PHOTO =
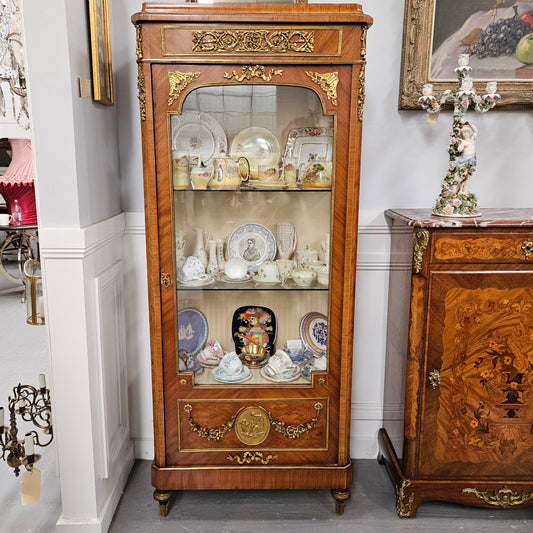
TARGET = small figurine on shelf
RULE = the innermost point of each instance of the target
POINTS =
(455, 200)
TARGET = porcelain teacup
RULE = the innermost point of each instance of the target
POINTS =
(5, 219)
(285, 267)
(303, 277)
(230, 364)
(192, 269)
(213, 351)
(295, 349)
(279, 364)
(268, 272)
(236, 268)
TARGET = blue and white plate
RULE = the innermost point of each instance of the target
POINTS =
(192, 330)
(252, 242)
(314, 332)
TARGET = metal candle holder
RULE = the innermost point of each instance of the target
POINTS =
(32, 405)
(455, 200)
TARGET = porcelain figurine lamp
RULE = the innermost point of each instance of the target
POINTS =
(455, 200)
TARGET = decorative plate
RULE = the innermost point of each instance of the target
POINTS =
(267, 185)
(252, 242)
(292, 374)
(198, 133)
(258, 145)
(221, 276)
(314, 332)
(253, 323)
(192, 330)
(308, 144)
(221, 376)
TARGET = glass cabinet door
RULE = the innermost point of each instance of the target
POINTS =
(252, 170)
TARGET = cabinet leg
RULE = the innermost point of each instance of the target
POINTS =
(341, 496)
(163, 498)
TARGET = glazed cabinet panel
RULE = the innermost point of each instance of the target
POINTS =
(467, 363)
(251, 119)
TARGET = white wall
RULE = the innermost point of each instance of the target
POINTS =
(81, 228)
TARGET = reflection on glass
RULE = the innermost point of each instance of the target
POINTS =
(252, 251)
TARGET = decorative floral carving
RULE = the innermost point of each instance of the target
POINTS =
(327, 82)
(280, 41)
(249, 457)
(178, 81)
(249, 72)
(504, 497)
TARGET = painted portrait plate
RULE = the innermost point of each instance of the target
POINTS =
(252, 242)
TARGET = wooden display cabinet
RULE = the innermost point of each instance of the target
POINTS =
(467, 361)
(268, 82)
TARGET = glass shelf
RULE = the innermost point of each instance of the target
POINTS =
(252, 189)
(251, 286)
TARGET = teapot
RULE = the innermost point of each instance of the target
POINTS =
(225, 173)
(317, 174)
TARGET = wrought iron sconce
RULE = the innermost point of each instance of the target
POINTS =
(32, 405)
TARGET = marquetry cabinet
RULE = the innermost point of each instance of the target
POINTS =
(460, 340)
(251, 118)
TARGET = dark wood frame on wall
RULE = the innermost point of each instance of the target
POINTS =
(419, 19)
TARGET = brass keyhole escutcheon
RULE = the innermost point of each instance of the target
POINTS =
(434, 378)
(527, 248)
(165, 280)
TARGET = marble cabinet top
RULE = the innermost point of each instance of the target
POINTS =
(493, 218)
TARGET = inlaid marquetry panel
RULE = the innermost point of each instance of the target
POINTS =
(492, 249)
(480, 413)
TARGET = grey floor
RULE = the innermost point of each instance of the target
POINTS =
(371, 509)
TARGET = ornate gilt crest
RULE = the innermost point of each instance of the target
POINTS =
(178, 81)
(327, 82)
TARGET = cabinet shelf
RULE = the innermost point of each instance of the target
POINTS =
(252, 189)
(251, 286)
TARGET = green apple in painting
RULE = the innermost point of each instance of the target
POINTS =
(524, 49)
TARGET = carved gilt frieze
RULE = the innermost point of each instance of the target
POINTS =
(278, 41)
(249, 72)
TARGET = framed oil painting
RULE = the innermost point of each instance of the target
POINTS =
(101, 51)
(497, 34)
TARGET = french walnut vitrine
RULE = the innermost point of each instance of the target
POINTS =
(252, 85)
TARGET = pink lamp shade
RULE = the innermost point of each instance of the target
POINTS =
(17, 182)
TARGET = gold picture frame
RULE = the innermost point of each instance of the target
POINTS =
(419, 51)
(101, 51)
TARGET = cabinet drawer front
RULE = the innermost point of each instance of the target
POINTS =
(488, 248)
(252, 431)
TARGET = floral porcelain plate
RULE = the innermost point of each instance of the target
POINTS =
(198, 133)
(253, 324)
(314, 332)
(244, 374)
(309, 144)
(258, 145)
(192, 330)
(290, 374)
(252, 242)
